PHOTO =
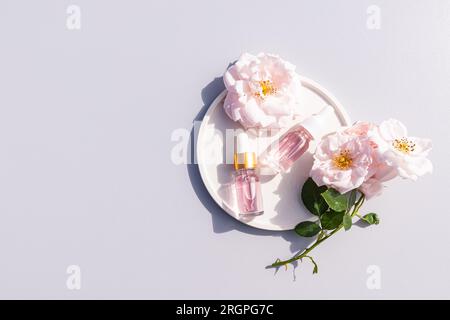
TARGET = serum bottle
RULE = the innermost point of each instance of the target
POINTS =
(282, 154)
(246, 178)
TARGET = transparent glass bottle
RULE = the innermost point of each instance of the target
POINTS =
(246, 179)
(248, 191)
(282, 154)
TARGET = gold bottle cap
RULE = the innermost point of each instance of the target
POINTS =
(244, 156)
(245, 160)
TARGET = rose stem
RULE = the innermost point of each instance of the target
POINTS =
(304, 253)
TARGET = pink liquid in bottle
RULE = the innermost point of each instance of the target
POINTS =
(246, 179)
(282, 154)
(248, 192)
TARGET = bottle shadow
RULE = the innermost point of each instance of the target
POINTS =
(221, 221)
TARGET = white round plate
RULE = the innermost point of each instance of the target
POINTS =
(282, 208)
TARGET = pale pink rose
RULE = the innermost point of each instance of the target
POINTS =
(264, 91)
(360, 128)
(342, 161)
(408, 155)
(371, 188)
(384, 152)
(379, 170)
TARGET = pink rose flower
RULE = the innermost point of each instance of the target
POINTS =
(379, 171)
(342, 161)
(372, 187)
(360, 128)
(366, 155)
(264, 91)
(408, 155)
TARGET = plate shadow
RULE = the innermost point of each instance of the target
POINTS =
(221, 221)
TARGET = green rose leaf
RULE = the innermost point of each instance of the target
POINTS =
(336, 201)
(312, 198)
(307, 229)
(371, 218)
(331, 220)
(347, 222)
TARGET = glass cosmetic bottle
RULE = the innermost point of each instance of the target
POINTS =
(282, 154)
(246, 179)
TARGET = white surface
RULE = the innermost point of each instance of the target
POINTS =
(89, 121)
(282, 209)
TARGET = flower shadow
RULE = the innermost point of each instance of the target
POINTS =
(288, 191)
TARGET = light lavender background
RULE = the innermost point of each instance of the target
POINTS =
(86, 119)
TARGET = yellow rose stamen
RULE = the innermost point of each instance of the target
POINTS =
(404, 145)
(267, 88)
(343, 160)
